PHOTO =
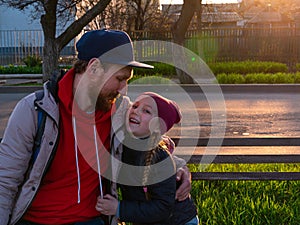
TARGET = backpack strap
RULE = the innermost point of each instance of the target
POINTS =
(42, 115)
(40, 127)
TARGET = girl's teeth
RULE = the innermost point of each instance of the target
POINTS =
(133, 120)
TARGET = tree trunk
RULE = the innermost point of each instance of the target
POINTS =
(199, 16)
(51, 54)
(178, 30)
(53, 45)
(50, 50)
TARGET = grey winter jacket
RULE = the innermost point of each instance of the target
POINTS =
(16, 193)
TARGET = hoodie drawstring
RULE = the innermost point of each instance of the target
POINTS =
(77, 164)
(76, 155)
(98, 162)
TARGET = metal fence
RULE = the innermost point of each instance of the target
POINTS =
(16, 45)
(237, 44)
(215, 44)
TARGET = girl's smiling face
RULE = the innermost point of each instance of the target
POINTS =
(139, 117)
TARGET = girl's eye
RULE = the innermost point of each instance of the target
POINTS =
(147, 111)
(134, 106)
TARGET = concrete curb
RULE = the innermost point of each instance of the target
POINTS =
(21, 76)
(238, 141)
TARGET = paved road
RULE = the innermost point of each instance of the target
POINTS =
(7, 103)
(230, 114)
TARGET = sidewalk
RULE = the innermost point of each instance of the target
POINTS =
(13, 79)
(21, 76)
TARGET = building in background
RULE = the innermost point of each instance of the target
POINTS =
(212, 16)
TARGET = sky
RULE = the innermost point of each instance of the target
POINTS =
(203, 1)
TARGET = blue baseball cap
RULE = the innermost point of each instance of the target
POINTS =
(110, 46)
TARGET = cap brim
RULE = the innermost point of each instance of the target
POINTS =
(127, 63)
(139, 65)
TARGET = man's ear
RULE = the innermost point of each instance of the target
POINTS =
(95, 67)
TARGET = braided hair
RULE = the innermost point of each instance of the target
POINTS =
(155, 144)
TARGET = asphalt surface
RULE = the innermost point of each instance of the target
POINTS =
(250, 121)
(217, 114)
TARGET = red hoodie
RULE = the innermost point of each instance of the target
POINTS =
(69, 190)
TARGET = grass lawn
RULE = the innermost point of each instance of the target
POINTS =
(248, 202)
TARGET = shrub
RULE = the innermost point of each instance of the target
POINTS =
(237, 67)
(33, 61)
(283, 78)
(297, 77)
(230, 79)
(11, 69)
(259, 78)
(246, 67)
(268, 78)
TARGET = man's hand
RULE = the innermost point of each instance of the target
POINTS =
(184, 176)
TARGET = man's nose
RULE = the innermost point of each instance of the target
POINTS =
(123, 88)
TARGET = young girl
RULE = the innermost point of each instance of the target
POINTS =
(147, 175)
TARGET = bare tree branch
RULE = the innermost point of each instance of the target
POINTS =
(50, 13)
(79, 24)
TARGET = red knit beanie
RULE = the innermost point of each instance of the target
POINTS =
(168, 111)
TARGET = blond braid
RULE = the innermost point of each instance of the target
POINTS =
(148, 160)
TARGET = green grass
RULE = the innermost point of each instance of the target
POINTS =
(248, 202)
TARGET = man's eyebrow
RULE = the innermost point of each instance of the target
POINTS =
(123, 77)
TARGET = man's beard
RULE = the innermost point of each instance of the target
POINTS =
(104, 103)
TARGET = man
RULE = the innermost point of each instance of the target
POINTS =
(63, 184)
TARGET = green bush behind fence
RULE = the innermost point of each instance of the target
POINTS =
(243, 72)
